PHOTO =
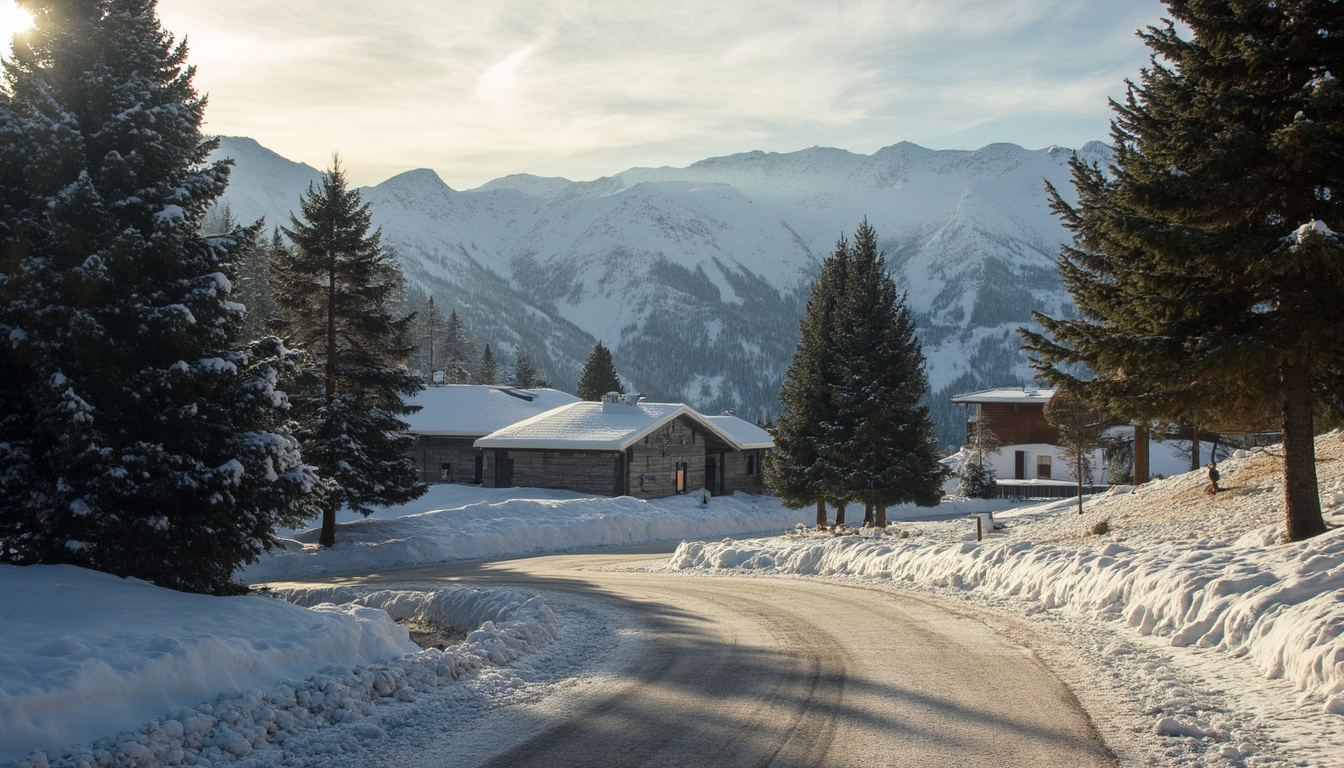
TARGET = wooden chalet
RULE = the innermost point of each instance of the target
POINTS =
(623, 447)
(1017, 419)
(452, 417)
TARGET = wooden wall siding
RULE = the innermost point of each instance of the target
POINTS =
(1018, 423)
(734, 471)
(590, 472)
(430, 453)
(653, 460)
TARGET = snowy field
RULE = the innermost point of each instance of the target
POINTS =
(1229, 645)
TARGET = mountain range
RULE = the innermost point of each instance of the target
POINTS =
(696, 277)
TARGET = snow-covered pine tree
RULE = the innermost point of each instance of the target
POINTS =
(334, 289)
(885, 437)
(526, 374)
(488, 372)
(1204, 261)
(461, 358)
(136, 441)
(599, 374)
(429, 333)
(800, 471)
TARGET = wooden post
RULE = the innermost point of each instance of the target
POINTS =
(979, 528)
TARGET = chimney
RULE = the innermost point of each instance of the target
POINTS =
(611, 401)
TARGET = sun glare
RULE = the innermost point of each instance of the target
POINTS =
(13, 20)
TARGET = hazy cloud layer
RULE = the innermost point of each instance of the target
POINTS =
(582, 88)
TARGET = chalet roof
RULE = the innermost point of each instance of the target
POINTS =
(1007, 395)
(469, 410)
(588, 426)
(747, 436)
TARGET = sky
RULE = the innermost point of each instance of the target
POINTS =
(588, 88)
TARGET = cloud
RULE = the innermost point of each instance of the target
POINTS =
(581, 87)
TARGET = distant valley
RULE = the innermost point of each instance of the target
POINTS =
(696, 277)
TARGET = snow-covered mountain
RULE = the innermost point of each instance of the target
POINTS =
(696, 277)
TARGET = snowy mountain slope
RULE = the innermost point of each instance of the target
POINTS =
(696, 277)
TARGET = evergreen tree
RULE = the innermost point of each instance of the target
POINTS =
(885, 437)
(1202, 263)
(461, 356)
(431, 331)
(599, 375)
(253, 289)
(801, 471)
(136, 441)
(978, 481)
(488, 373)
(526, 374)
(334, 289)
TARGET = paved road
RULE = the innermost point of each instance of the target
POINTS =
(789, 673)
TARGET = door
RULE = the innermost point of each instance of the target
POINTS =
(503, 469)
(711, 475)
(480, 468)
(1019, 465)
(681, 477)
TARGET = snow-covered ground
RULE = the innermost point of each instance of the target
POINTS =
(1228, 645)
(1204, 578)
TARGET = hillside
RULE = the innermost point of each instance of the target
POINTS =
(696, 277)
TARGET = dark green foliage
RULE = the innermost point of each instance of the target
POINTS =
(978, 481)
(886, 443)
(1208, 287)
(526, 375)
(488, 372)
(799, 472)
(136, 439)
(853, 429)
(461, 358)
(599, 375)
(334, 289)
(428, 334)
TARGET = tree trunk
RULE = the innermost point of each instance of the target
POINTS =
(1301, 496)
(840, 513)
(328, 536)
(821, 515)
(881, 516)
(1079, 472)
(1140, 453)
(867, 514)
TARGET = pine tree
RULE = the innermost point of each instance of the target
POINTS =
(885, 441)
(526, 374)
(800, 471)
(430, 333)
(599, 375)
(1202, 263)
(488, 373)
(335, 289)
(461, 357)
(136, 440)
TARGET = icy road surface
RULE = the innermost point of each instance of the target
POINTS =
(753, 671)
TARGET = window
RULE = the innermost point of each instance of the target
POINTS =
(1043, 467)
(681, 477)
(446, 472)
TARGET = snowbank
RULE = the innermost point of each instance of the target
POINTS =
(84, 655)
(1198, 570)
(518, 521)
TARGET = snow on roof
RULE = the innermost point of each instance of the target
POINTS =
(746, 436)
(1007, 395)
(469, 410)
(588, 426)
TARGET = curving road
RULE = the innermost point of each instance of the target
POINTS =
(782, 672)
